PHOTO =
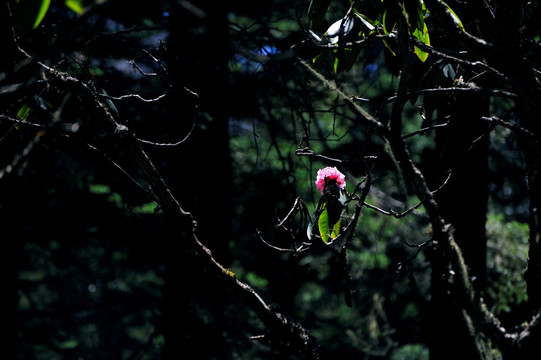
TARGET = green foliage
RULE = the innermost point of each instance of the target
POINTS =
(355, 27)
(506, 262)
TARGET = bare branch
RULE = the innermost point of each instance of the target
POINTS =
(137, 68)
(441, 53)
(283, 332)
(393, 213)
(461, 89)
(17, 122)
(129, 96)
(294, 250)
(425, 129)
(312, 154)
(124, 172)
(508, 125)
(445, 18)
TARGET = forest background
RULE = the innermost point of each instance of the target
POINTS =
(157, 179)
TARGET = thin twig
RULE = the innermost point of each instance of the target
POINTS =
(169, 144)
(124, 172)
(425, 129)
(258, 233)
(393, 213)
(129, 96)
(508, 125)
(460, 89)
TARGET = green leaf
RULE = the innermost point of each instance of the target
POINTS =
(41, 13)
(415, 12)
(23, 112)
(386, 31)
(367, 22)
(388, 47)
(30, 13)
(336, 229)
(454, 16)
(323, 225)
(449, 72)
(316, 58)
(109, 102)
(76, 6)
(384, 23)
(328, 232)
(422, 36)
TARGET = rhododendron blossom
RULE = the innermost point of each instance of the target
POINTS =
(328, 175)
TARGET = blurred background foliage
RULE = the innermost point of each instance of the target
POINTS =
(91, 272)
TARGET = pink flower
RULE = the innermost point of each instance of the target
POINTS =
(328, 175)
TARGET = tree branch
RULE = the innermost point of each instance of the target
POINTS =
(442, 14)
(282, 332)
(442, 232)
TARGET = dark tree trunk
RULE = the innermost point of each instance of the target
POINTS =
(463, 202)
(198, 173)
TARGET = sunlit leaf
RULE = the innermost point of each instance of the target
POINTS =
(336, 229)
(76, 6)
(340, 28)
(316, 58)
(366, 21)
(327, 231)
(30, 13)
(23, 112)
(454, 16)
(422, 36)
(384, 23)
(387, 31)
(422, 55)
(388, 47)
(323, 225)
(41, 12)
